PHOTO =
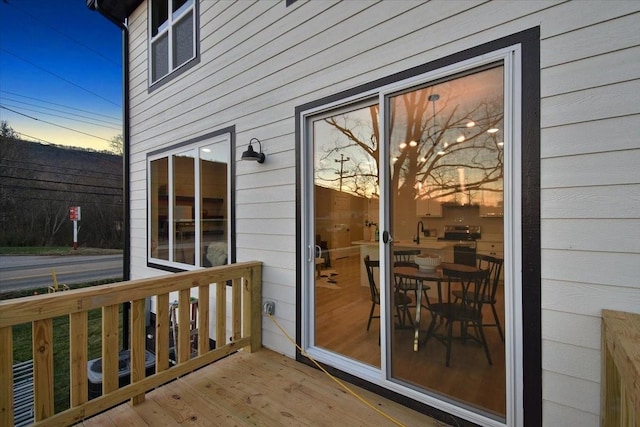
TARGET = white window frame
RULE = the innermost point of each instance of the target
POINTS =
(167, 28)
(193, 148)
(511, 58)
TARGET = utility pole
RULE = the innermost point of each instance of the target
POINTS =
(341, 161)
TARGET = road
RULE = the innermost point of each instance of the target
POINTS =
(29, 272)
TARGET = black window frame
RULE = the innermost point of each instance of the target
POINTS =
(529, 41)
(180, 69)
(231, 131)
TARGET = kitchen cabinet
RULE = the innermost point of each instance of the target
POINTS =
(428, 208)
(491, 211)
(492, 248)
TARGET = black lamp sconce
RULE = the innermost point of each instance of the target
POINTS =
(250, 154)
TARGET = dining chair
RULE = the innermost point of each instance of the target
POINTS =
(405, 254)
(400, 300)
(467, 312)
(494, 266)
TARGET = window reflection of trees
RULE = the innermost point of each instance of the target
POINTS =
(431, 142)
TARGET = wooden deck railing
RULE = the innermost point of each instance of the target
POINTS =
(620, 390)
(245, 332)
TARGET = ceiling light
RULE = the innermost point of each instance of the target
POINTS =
(493, 130)
(461, 138)
(412, 143)
(403, 145)
(471, 124)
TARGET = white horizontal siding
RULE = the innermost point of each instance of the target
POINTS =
(605, 202)
(588, 298)
(621, 166)
(610, 134)
(571, 360)
(605, 268)
(555, 414)
(569, 77)
(572, 392)
(259, 60)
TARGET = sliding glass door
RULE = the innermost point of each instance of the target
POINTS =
(384, 176)
(446, 146)
(345, 200)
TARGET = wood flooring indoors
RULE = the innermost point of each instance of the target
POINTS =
(341, 318)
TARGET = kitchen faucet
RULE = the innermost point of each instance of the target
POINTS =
(419, 229)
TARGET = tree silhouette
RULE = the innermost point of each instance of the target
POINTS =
(427, 153)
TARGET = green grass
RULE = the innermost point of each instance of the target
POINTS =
(56, 250)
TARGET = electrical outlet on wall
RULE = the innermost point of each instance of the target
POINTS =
(269, 307)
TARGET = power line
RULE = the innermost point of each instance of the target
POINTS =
(53, 124)
(65, 117)
(59, 105)
(66, 169)
(112, 123)
(66, 173)
(102, 203)
(60, 77)
(50, 181)
(90, 193)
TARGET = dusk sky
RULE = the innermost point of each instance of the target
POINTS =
(60, 73)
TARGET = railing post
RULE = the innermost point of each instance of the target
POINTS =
(255, 307)
(6, 376)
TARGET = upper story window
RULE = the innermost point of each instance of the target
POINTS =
(173, 36)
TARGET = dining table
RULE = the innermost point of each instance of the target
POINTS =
(435, 275)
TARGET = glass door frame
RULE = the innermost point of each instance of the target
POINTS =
(511, 58)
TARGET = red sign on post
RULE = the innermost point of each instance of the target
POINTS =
(74, 213)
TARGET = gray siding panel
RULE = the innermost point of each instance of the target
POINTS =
(259, 60)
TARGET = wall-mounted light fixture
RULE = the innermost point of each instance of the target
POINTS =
(250, 154)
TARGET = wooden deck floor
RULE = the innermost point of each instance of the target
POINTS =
(258, 389)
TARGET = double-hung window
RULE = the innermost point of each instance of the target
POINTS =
(173, 36)
(190, 204)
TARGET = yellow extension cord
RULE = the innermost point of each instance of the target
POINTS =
(340, 383)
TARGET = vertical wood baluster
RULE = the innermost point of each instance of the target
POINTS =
(184, 330)
(110, 344)
(221, 314)
(6, 376)
(138, 341)
(43, 368)
(203, 319)
(236, 309)
(78, 330)
(162, 332)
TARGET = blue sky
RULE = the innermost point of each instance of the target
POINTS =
(60, 63)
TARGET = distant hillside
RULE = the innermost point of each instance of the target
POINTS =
(38, 184)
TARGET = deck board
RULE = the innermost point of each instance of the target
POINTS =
(258, 389)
